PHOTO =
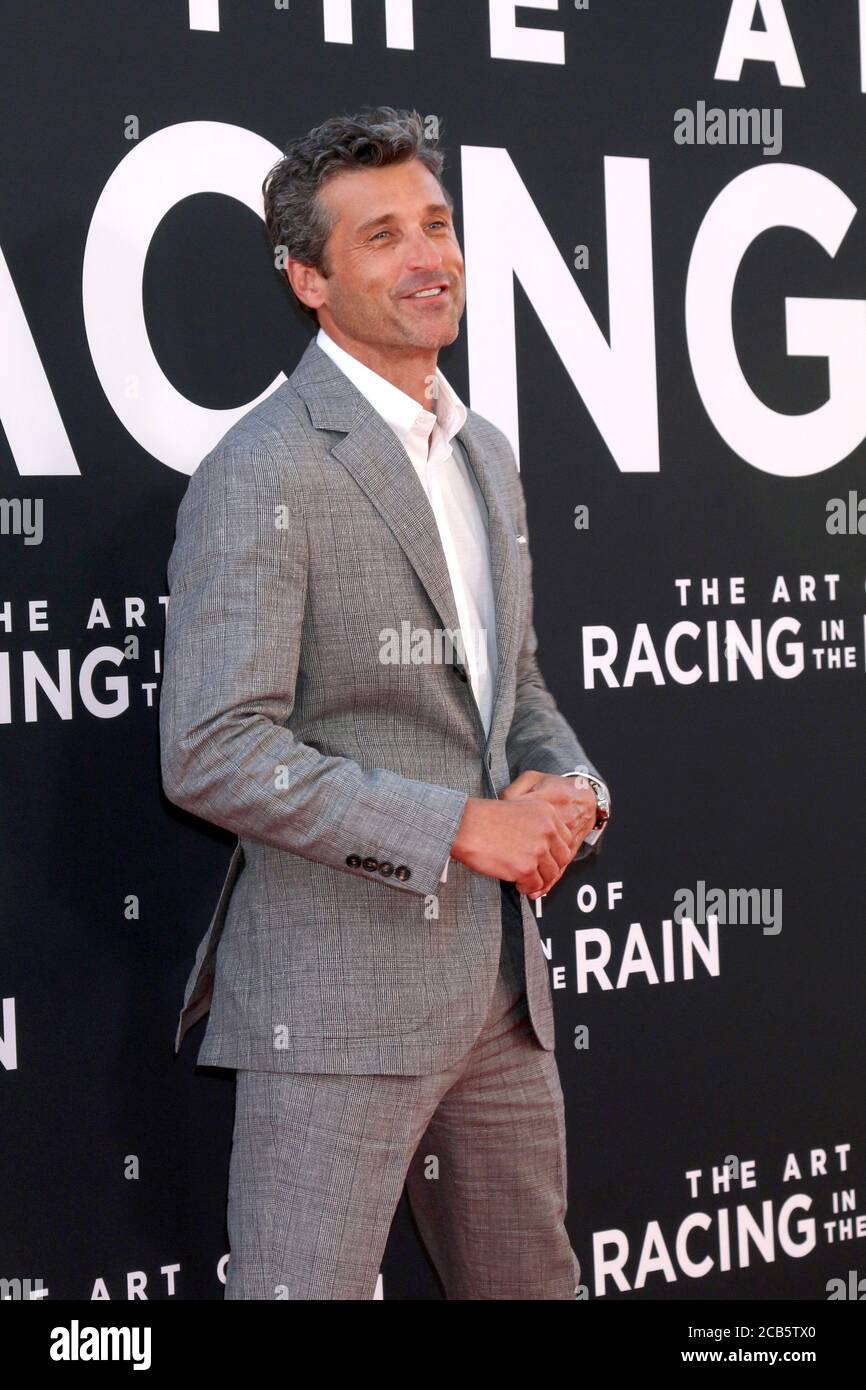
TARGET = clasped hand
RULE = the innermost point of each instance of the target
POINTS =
(576, 807)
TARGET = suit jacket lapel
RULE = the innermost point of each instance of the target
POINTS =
(505, 562)
(380, 465)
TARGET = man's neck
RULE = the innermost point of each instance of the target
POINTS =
(409, 369)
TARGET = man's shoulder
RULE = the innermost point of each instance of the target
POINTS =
(271, 426)
(281, 425)
(272, 437)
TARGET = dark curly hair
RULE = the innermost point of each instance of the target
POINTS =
(296, 219)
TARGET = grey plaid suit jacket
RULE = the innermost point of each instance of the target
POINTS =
(334, 947)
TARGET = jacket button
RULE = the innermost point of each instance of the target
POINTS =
(371, 865)
(386, 869)
(353, 861)
(460, 670)
(402, 872)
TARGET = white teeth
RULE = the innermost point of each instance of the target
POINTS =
(423, 294)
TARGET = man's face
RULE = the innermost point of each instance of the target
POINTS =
(393, 235)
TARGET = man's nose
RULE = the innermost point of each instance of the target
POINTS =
(423, 253)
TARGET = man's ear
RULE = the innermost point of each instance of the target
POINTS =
(305, 282)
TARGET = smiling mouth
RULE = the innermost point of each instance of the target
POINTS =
(432, 292)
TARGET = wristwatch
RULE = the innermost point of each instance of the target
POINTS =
(602, 795)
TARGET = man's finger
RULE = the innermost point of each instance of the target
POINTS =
(521, 785)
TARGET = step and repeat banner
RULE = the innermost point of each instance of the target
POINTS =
(660, 206)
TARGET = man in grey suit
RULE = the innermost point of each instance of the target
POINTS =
(351, 687)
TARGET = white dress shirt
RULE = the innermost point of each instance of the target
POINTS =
(456, 500)
(457, 503)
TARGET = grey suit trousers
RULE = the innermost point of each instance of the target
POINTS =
(319, 1162)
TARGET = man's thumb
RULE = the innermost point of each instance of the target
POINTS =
(521, 785)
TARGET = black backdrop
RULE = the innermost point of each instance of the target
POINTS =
(115, 1154)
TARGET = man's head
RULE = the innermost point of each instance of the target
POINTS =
(359, 206)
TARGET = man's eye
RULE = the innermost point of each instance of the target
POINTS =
(438, 222)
